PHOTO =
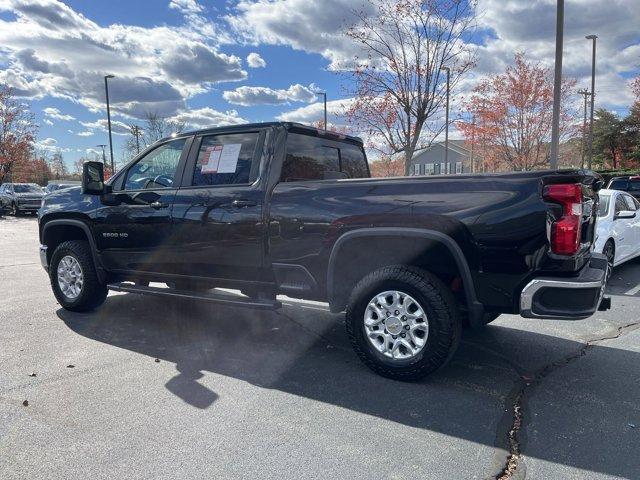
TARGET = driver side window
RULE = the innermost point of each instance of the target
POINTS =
(157, 169)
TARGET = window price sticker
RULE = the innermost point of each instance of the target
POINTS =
(211, 159)
(221, 158)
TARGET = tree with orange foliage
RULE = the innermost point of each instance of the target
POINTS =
(17, 132)
(387, 166)
(399, 88)
(511, 116)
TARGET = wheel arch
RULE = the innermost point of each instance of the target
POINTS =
(59, 230)
(347, 265)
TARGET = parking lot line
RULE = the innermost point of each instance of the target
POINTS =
(633, 291)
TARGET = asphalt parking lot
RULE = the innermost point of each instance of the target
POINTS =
(153, 388)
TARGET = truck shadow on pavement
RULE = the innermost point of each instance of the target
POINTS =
(305, 352)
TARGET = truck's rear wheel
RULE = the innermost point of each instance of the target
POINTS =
(403, 322)
(74, 278)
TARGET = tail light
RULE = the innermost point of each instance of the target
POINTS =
(565, 231)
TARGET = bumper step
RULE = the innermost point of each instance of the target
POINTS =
(222, 298)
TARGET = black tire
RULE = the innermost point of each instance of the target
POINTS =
(93, 292)
(441, 312)
(609, 251)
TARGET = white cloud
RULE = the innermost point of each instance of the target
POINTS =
(302, 24)
(47, 122)
(254, 60)
(54, 113)
(50, 49)
(315, 112)
(117, 127)
(208, 118)
(86, 133)
(248, 96)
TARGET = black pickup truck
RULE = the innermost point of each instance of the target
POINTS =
(281, 208)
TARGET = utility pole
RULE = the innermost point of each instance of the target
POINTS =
(473, 133)
(135, 130)
(593, 95)
(586, 94)
(104, 158)
(557, 86)
(324, 94)
(447, 168)
(106, 91)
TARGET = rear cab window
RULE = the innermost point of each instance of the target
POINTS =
(315, 158)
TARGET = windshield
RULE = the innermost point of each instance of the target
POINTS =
(634, 185)
(603, 207)
(619, 185)
(27, 189)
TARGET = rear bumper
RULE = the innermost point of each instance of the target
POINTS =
(567, 298)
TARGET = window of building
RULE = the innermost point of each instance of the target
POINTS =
(429, 169)
(458, 167)
(225, 159)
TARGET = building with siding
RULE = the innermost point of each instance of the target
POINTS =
(430, 160)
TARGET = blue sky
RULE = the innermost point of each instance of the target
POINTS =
(218, 62)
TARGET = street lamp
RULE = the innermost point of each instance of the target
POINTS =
(106, 90)
(104, 158)
(447, 169)
(557, 87)
(324, 94)
(593, 95)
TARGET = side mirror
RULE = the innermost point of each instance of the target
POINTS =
(625, 214)
(93, 178)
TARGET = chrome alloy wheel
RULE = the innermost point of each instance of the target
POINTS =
(396, 325)
(70, 277)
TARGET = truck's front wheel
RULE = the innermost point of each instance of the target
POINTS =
(74, 279)
(403, 322)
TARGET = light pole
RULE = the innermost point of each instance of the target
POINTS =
(106, 91)
(104, 158)
(557, 87)
(324, 94)
(585, 93)
(447, 169)
(593, 96)
(135, 130)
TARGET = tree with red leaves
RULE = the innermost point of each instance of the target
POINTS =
(387, 166)
(399, 88)
(17, 132)
(510, 125)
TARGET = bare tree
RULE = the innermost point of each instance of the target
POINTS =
(17, 132)
(153, 129)
(399, 86)
(58, 166)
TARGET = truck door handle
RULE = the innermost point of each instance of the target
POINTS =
(157, 205)
(243, 203)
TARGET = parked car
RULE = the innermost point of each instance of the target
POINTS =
(618, 227)
(52, 187)
(281, 208)
(629, 184)
(17, 198)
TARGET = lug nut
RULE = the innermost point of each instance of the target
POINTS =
(397, 312)
(394, 336)
(402, 335)
(388, 314)
(406, 327)
(404, 317)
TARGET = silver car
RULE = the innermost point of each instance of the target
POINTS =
(17, 198)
